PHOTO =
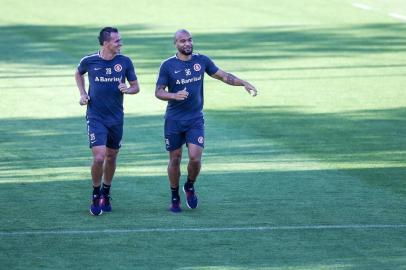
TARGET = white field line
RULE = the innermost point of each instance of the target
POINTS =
(362, 6)
(392, 14)
(207, 229)
(397, 16)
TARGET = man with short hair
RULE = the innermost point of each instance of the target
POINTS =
(183, 75)
(107, 71)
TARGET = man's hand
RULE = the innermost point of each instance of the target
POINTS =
(123, 88)
(181, 95)
(250, 89)
(84, 100)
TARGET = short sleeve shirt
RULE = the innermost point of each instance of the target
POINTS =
(178, 75)
(106, 100)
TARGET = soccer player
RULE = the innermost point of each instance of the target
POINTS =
(107, 72)
(183, 75)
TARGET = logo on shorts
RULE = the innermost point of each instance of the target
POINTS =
(118, 68)
(92, 138)
(200, 140)
(197, 67)
(167, 141)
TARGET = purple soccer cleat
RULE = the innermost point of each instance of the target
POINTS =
(95, 208)
(191, 197)
(175, 205)
(105, 203)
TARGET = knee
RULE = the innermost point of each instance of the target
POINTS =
(111, 157)
(98, 159)
(175, 161)
(195, 160)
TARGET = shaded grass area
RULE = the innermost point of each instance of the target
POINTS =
(367, 249)
(366, 139)
(335, 136)
(321, 197)
(370, 138)
(65, 45)
(227, 200)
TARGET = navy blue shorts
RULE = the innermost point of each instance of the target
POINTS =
(101, 133)
(177, 132)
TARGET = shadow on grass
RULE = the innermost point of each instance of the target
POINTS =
(358, 136)
(360, 139)
(52, 143)
(65, 45)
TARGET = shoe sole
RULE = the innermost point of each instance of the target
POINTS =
(101, 212)
(187, 203)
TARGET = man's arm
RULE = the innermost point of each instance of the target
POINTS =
(230, 79)
(132, 90)
(162, 94)
(80, 82)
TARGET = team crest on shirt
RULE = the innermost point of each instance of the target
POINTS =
(200, 140)
(118, 68)
(197, 67)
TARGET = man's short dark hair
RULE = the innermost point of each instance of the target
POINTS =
(105, 34)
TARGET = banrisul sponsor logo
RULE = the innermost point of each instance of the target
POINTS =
(107, 79)
(185, 81)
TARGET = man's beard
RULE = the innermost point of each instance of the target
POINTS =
(188, 52)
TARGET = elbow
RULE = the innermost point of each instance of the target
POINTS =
(159, 95)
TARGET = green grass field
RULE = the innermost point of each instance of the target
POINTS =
(310, 174)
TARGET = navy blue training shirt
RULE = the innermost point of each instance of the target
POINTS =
(176, 75)
(106, 100)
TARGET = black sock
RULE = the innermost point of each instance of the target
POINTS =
(189, 183)
(96, 190)
(105, 189)
(175, 192)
